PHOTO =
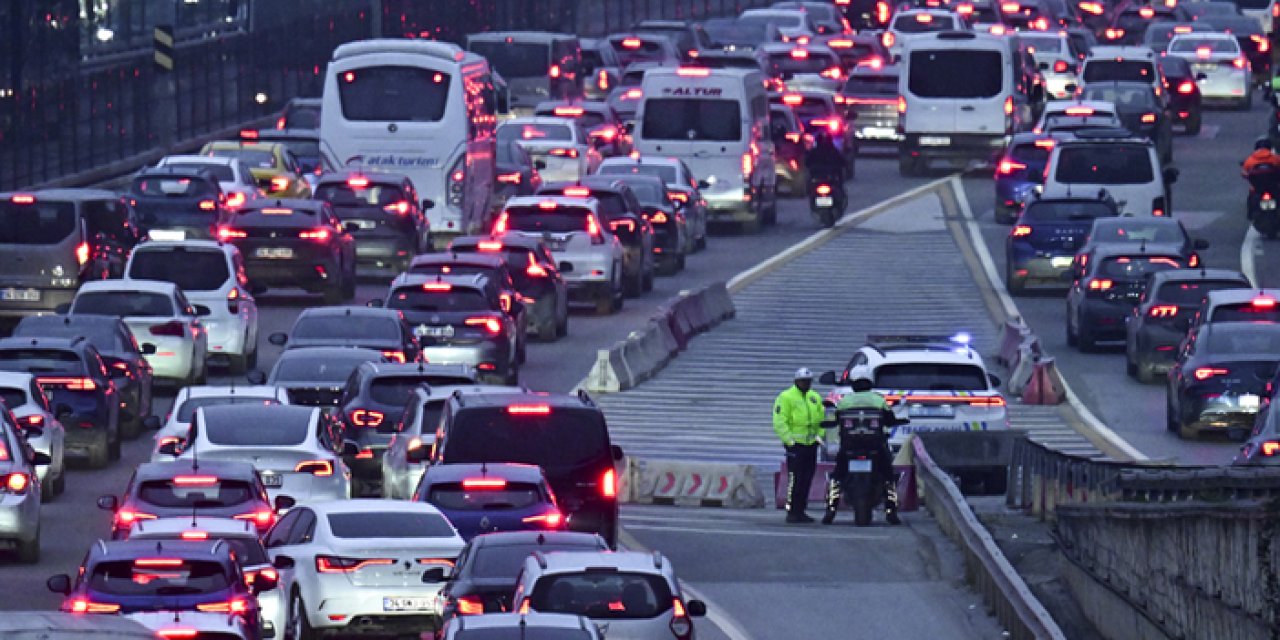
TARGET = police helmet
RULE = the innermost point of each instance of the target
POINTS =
(861, 384)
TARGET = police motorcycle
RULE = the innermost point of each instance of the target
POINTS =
(1264, 190)
(855, 440)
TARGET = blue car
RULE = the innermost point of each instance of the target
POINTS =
(1019, 170)
(1042, 245)
(162, 575)
(487, 497)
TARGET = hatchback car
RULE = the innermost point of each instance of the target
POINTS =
(622, 214)
(560, 143)
(174, 203)
(215, 488)
(315, 376)
(1042, 246)
(1222, 69)
(1220, 377)
(20, 492)
(871, 105)
(1160, 321)
(295, 243)
(1237, 305)
(1161, 234)
(682, 187)
(489, 497)
(1106, 289)
(1183, 94)
(493, 267)
(274, 167)
(161, 313)
(177, 423)
(536, 275)
(381, 330)
(199, 625)
(390, 225)
(36, 424)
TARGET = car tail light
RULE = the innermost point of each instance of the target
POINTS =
(800, 54)
(236, 199)
(174, 329)
(554, 71)
(1263, 302)
(234, 605)
(84, 605)
(550, 519)
(509, 178)
(630, 225)
(1163, 311)
(607, 133)
(535, 270)
(320, 468)
(228, 233)
(319, 235)
(399, 208)
(1194, 260)
(1098, 284)
(593, 229)
(882, 12)
(367, 418)
(1007, 167)
(1188, 86)
(1270, 447)
(1147, 12)
(484, 483)
(126, 517)
(887, 39)
(1020, 231)
(17, 483)
(279, 183)
(1114, 34)
(577, 192)
(748, 164)
(1204, 373)
(1148, 118)
(197, 535)
(437, 286)
(1008, 106)
(681, 625)
(266, 572)
(71, 384)
(1092, 8)
(262, 518)
(529, 409)
(1261, 42)
(178, 633)
(393, 356)
(470, 605)
(500, 226)
(609, 484)
(208, 205)
(823, 189)
(1239, 63)
(564, 153)
(82, 253)
(364, 454)
(792, 99)
(23, 198)
(36, 420)
(1061, 66)
(338, 564)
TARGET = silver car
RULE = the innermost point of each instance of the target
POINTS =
(635, 597)
(514, 626)
(297, 450)
(404, 461)
(19, 492)
(44, 433)
(193, 624)
(372, 566)
(590, 257)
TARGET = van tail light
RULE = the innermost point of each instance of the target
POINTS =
(1148, 118)
(1187, 86)
(237, 606)
(233, 300)
(338, 564)
(681, 625)
(1270, 447)
(1204, 373)
(319, 235)
(1158, 207)
(1008, 105)
(1008, 167)
(1263, 302)
(887, 39)
(17, 483)
(524, 607)
(748, 165)
(70, 384)
(470, 605)
(1098, 284)
(835, 73)
(84, 605)
(609, 484)
(367, 418)
(228, 233)
(550, 519)
(174, 329)
(262, 518)
(1163, 311)
(554, 72)
(1193, 261)
(1020, 231)
(319, 468)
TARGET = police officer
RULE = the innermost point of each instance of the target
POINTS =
(864, 398)
(797, 419)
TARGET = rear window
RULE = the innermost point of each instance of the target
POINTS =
(38, 223)
(40, 361)
(1193, 293)
(648, 192)
(924, 376)
(1245, 340)
(159, 577)
(922, 23)
(1105, 164)
(1030, 154)
(534, 133)
(1175, 67)
(302, 117)
(188, 408)
(561, 219)
(123, 304)
(1136, 267)
(190, 270)
(872, 85)
(283, 432)
(444, 301)
(692, 120)
(1129, 230)
(340, 194)
(505, 561)
(563, 439)
(256, 158)
(793, 62)
(395, 93)
(1043, 44)
(311, 369)
(602, 594)
(221, 172)
(1071, 210)
(453, 270)
(516, 59)
(1126, 98)
(394, 390)
(667, 173)
(453, 496)
(1121, 70)
(1246, 312)
(389, 524)
(105, 336)
(1185, 44)
(340, 327)
(632, 50)
(955, 74)
(193, 491)
(172, 187)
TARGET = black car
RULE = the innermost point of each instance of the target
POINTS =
(382, 330)
(372, 403)
(1042, 245)
(119, 351)
(870, 98)
(564, 434)
(1160, 321)
(492, 267)
(867, 15)
(862, 49)
(536, 275)
(1106, 288)
(1220, 378)
(489, 566)
(300, 113)
(1140, 110)
(74, 378)
(295, 243)
(516, 173)
(672, 240)
(386, 217)
(177, 203)
(1183, 93)
(1130, 21)
(789, 147)
(1152, 233)
(53, 240)
(621, 211)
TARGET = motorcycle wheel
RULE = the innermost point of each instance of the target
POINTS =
(862, 507)
(861, 496)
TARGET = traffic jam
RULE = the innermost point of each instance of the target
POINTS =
(390, 472)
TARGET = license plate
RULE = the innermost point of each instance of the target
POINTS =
(860, 466)
(270, 480)
(930, 411)
(1249, 401)
(23, 295)
(1204, 68)
(406, 604)
(274, 253)
(1061, 262)
(934, 141)
(879, 132)
(364, 224)
(824, 201)
(423, 331)
(167, 235)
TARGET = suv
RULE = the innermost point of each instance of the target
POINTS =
(389, 224)
(622, 213)
(573, 230)
(382, 330)
(564, 434)
(74, 378)
(461, 320)
(1106, 289)
(295, 243)
(536, 276)
(51, 241)
(215, 488)
(635, 593)
(177, 203)
(1126, 167)
(1164, 312)
(493, 267)
(1118, 63)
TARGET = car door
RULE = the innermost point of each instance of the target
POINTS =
(280, 542)
(187, 313)
(248, 305)
(394, 462)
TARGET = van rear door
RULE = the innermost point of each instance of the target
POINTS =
(960, 90)
(700, 120)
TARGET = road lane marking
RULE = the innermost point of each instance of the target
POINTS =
(1249, 249)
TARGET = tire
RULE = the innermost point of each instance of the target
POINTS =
(131, 428)
(562, 327)
(237, 365)
(113, 448)
(100, 452)
(1145, 372)
(298, 627)
(700, 243)
(634, 286)
(548, 331)
(349, 286)
(619, 296)
(48, 490)
(827, 217)
(1072, 340)
(908, 166)
(29, 551)
(1170, 423)
(333, 294)
(1084, 337)
(513, 376)
(1186, 432)
(1003, 215)
(60, 482)
(1014, 286)
(863, 505)
(1193, 125)
(520, 349)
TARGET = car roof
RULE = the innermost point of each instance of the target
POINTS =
(221, 468)
(523, 242)
(67, 195)
(149, 286)
(629, 561)
(1121, 221)
(524, 396)
(1187, 275)
(1104, 52)
(665, 161)
(215, 527)
(520, 35)
(380, 369)
(223, 161)
(538, 120)
(442, 393)
(1106, 250)
(222, 145)
(521, 538)
(165, 171)
(22, 342)
(371, 505)
(186, 549)
(456, 472)
(305, 353)
(221, 391)
(1235, 296)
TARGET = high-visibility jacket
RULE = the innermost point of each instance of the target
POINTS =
(798, 416)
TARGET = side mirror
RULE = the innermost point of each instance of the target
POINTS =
(147, 349)
(993, 379)
(617, 453)
(264, 582)
(1200, 77)
(539, 164)
(703, 184)
(351, 227)
(375, 303)
(1070, 87)
(63, 309)
(40, 458)
(1171, 175)
(108, 503)
(696, 608)
(283, 503)
(60, 583)
(417, 454)
(62, 411)
(428, 204)
(201, 310)
(169, 448)
(278, 338)
(151, 422)
(434, 575)
(827, 377)
(282, 562)
(350, 448)
(566, 267)
(256, 377)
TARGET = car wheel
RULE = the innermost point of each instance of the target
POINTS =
(562, 327)
(647, 284)
(1193, 125)
(131, 428)
(1014, 285)
(521, 351)
(513, 376)
(1004, 215)
(100, 451)
(48, 489)
(349, 285)
(1185, 430)
(1071, 334)
(635, 284)
(680, 262)
(1084, 336)
(237, 365)
(700, 243)
(60, 481)
(29, 550)
(113, 446)
(618, 295)
(1146, 372)
(299, 627)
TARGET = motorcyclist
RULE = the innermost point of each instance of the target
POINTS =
(882, 460)
(824, 160)
(1262, 156)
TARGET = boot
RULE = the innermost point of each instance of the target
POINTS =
(833, 500)
(891, 504)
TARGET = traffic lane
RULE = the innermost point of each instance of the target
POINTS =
(1209, 198)
(560, 365)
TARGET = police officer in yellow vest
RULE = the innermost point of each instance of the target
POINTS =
(797, 419)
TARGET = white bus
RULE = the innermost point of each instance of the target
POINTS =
(422, 108)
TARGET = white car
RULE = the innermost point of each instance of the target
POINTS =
(233, 175)
(189, 399)
(513, 625)
(159, 314)
(939, 383)
(243, 537)
(1125, 166)
(20, 494)
(210, 274)
(181, 625)
(560, 144)
(299, 456)
(374, 565)
(30, 408)
(1069, 115)
(1222, 70)
(1055, 59)
(634, 594)
(794, 25)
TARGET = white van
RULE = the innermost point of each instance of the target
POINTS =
(537, 65)
(421, 108)
(958, 99)
(717, 122)
(1126, 167)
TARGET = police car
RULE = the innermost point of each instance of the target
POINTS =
(939, 383)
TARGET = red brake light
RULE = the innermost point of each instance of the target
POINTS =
(500, 226)
(567, 153)
(437, 286)
(228, 233)
(1100, 285)
(509, 178)
(357, 182)
(693, 72)
(176, 633)
(1007, 167)
(17, 482)
(577, 192)
(924, 18)
(1263, 302)
(1021, 230)
(1148, 118)
(188, 481)
(1204, 373)
(279, 183)
(568, 112)
(592, 227)
(174, 329)
(231, 606)
(262, 519)
(618, 224)
(550, 520)
(401, 208)
(367, 418)
(535, 270)
(792, 99)
(1008, 106)
(490, 325)
(1270, 448)
(23, 198)
(393, 356)
(1147, 12)
(823, 189)
(1060, 66)
(661, 217)
(1163, 311)
(321, 468)
(799, 54)
(195, 535)
(484, 483)
(83, 605)
(1188, 86)
(609, 484)
(252, 134)
(554, 71)
(1092, 8)
(158, 562)
(236, 199)
(489, 245)
(902, 105)
(631, 43)
(126, 517)
(71, 384)
(208, 205)
(335, 564)
(82, 252)
(1239, 63)
(470, 605)
(529, 409)
(319, 235)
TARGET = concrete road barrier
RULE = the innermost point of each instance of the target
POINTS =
(1023, 365)
(1045, 385)
(698, 484)
(1013, 332)
(609, 374)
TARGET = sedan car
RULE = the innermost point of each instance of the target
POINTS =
(1106, 288)
(1220, 377)
(315, 376)
(536, 276)
(381, 330)
(274, 167)
(682, 187)
(516, 173)
(233, 175)
(376, 566)
(871, 103)
(295, 243)
(1160, 321)
(390, 227)
(560, 143)
(215, 488)
(210, 274)
(622, 214)
(161, 313)
(178, 421)
(34, 419)
(1222, 69)
(20, 491)
(1163, 234)
(1042, 246)
(489, 497)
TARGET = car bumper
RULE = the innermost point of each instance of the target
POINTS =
(384, 254)
(405, 481)
(361, 610)
(292, 273)
(470, 354)
(951, 146)
(227, 336)
(19, 517)
(173, 360)
(994, 420)
(1044, 270)
(273, 613)
(1227, 87)
(304, 487)
(732, 205)
(1223, 413)
(1105, 319)
(1158, 346)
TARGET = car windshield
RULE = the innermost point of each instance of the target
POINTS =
(557, 219)
(603, 594)
(1193, 293)
(1131, 230)
(278, 432)
(220, 172)
(558, 440)
(123, 304)
(1246, 312)
(515, 59)
(302, 116)
(955, 73)
(456, 496)
(454, 269)
(692, 119)
(13, 398)
(1058, 210)
(1118, 70)
(395, 390)
(256, 158)
(203, 491)
(453, 299)
(37, 223)
(344, 194)
(1246, 340)
(529, 132)
(1135, 267)
(1204, 46)
(41, 361)
(928, 376)
(666, 172)
(922, 23)
(158, 577)
(191, 270)
(309, 368)
(345, 327)
(188, 409)
(505, 561)
(393, 93)
(389, 524)
(1126, 98)
(1105, 164)
(176, 187)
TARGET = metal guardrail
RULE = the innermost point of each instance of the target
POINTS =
(1010, 599)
